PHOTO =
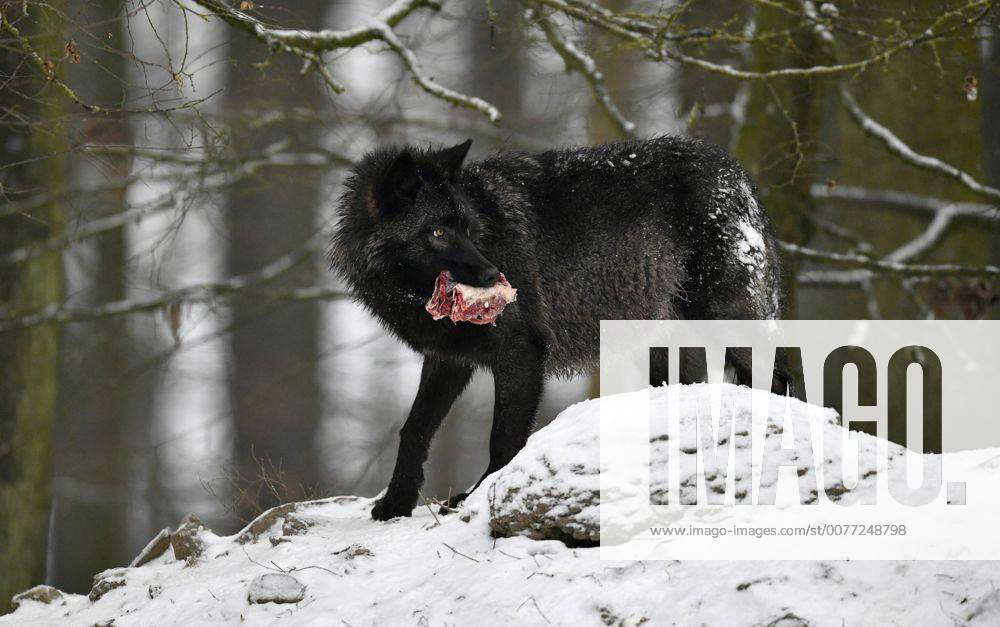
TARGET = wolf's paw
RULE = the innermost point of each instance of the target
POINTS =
(452, 504)
(391, 506)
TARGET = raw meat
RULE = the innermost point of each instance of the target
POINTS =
(465, 303)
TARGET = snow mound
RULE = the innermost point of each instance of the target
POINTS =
(429, 569)
(551, 489)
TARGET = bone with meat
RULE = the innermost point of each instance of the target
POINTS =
(465, 303)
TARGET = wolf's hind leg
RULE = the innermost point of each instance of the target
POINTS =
(440, 384)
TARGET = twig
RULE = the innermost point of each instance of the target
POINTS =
(457, 552)
(532, 599)
(437, 523)
(49, 73)
(291, 569)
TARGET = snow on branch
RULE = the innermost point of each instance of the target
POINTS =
(927, 239)
(906, 200)
(311, 45)
(576, 59)
(922, 243)
(899, 148)
(943, 212)
(200, 293)
(886, 266)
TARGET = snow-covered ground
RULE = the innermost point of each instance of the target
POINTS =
(330, 564)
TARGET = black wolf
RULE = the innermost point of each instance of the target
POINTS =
(653, 229)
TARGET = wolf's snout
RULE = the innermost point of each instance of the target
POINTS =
(488, 277)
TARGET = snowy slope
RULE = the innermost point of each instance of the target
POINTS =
(448, 570)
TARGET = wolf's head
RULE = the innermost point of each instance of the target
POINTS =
(404, 211)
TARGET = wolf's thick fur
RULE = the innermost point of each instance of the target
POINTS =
(654, 229)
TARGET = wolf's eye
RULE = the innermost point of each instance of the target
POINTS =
(438, 232)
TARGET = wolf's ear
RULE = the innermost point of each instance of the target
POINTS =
(400, 186)
(450, 159)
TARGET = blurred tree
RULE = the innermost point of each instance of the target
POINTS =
(91, 510)
(714, 104)
(778, 140)
(33, 147)
(499, 68)
(274, 395)
(619, 66)
(988, 83)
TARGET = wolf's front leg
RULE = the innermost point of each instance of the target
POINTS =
(518, 380)
(440, 384)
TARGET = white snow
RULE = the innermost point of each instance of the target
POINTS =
(752, 242)
(447, 570)
(750, 251)
(752, 207)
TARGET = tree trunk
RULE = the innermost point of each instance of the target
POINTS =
(91, 527)
(273, 388)
(778, 140)
(28, 359)
(990, 87)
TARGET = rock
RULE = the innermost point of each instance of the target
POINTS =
(295, 526)
(275, 588)
(105, 582)
(265, 521)
(353, 551)
(40, 594)
(789, 620)
(155, 548)
(186, 541)
(557, 469)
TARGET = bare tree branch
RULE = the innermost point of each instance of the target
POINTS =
(652, 38)
(902, 150)
(927, 239)
(576, 59)
(888, 267)
(204, 292)
(43, 66)
(906, 200)
(311, 45)
(922, 243)
(272, 157)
